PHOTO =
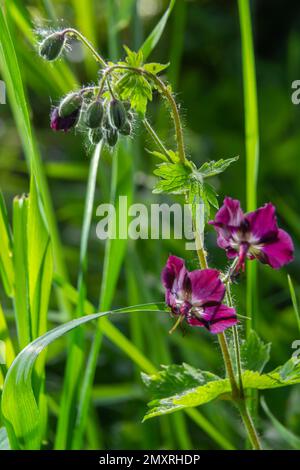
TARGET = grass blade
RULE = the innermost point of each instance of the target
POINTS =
(22, 308)
(12, 76)
(252, 142)
(76, 354)
(19, 407)
(153, 38)
(294, 300)
(6, 262)
(288, 436)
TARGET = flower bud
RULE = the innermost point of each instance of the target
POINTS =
(70, 104)
(59, 123)
(111, 136)
(117, 114)
(95, 135)
(94, 114)
(52, 46)
(126, 129)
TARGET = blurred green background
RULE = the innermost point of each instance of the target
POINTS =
(202, 43)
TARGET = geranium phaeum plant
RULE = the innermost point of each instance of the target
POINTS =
(106, 112)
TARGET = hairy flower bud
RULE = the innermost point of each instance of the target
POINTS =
(117, 114)
(126, 129)
(59, 123)
(95, 135)
(52, 46)
(94, 114)
(111, 136)
(70, 104)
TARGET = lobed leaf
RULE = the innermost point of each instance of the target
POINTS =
(177, 387)
(213, 168)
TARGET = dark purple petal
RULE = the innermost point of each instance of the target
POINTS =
(176, 281)
(222, 318)
(172, 270)
(230, 214)
(228, 220)
(278, 252)
(262, 224)
(214, 319)
(207, 287)
(58, 123)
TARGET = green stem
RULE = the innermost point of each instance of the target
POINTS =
(75, 352)
(228, 364)
(237, 394)
(248, 423)
(156, 138)
(236, 341)
(74, 32)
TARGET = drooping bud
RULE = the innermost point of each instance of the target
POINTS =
(111, 136)
(59, 123)
(52, 46)
(117, 114)
(70, 104)
(94, 114)
(95, 135)
(126, 129)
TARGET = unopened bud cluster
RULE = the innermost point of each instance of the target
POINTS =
(101, 118)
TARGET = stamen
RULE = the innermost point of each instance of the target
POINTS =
(178, 322)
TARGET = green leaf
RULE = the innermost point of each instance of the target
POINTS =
(287, 435)
(181, 386)
(19, 407)
(174, 178)
(155, 35)
(155, 68)
(254, 352)
(6, 253)
(134, 59)
(4, 442)
(213, 168)
(136, 89)
(209, 193)
(156, 154)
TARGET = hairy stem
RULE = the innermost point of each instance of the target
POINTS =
(156, 139)
(249, 425)
(237, 393)
(74, 32)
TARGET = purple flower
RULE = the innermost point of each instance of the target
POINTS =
(252, 235)
(58, 123)
(197, 296)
